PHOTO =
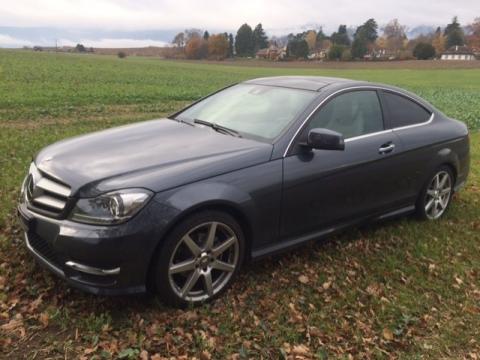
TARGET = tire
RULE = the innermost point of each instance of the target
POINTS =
(436, 195)
(194, 266)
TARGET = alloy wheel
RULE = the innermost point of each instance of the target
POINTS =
(438, 195)
(203, 261)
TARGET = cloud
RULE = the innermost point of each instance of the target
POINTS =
(9, 41)
(113, 43)
(221, 15)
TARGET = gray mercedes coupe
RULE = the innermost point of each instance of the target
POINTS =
(177, 205)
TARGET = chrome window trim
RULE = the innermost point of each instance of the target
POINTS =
(367, 87)
(368, 135)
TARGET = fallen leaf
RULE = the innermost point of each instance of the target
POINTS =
(205, 355)
(43, 318)
(387, 334)
(144, 355)
(303, 279)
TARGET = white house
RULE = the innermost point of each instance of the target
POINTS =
(458, 53)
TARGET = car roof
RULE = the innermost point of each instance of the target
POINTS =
(312, 83)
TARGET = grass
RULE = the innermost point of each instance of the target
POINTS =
(401, 289)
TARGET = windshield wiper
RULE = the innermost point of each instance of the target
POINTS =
(180, 121)
(217, 127)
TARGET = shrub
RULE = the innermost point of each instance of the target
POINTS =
(424, 51)
(335, 52)
(297, 48)
(122, 54)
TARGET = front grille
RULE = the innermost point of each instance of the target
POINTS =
(45, 193)
(43, 248)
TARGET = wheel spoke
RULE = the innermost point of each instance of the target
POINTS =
(194, 248)
(429, 204)
(220, 249)
(443, 181)
(435, 209)
(443, 201)
(437, 181)
(431, 192)
(223, 266)
(183, 266)
(190, 283)
(445, 191)
(207, 279)
(211, 235)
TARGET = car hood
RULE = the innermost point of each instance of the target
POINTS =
(157, 154)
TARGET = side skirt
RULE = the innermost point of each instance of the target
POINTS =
(318, 235)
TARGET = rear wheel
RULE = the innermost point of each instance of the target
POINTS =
(199, 259)
(436, 194)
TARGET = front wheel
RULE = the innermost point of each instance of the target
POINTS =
(199, 259)
(436, 194)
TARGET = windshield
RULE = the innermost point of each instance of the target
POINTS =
(258, 110)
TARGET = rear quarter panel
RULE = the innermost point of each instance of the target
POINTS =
(426, 147)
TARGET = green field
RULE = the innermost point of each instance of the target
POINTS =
(401, 289)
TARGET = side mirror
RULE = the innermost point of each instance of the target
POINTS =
(325, 139)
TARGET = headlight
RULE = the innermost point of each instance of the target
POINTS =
(111, 208)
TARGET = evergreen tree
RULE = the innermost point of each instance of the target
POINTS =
(260, 39)
(341, 37)
(244, 42)
(231, 44)
(206, 35)
(365, 35)
(454, 33)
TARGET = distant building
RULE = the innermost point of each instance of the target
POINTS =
(458, 53)
(319, 54)
(271, 53)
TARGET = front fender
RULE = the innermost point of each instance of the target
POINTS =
(186, 199)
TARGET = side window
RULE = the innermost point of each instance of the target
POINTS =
(404, 112)
(351, 114)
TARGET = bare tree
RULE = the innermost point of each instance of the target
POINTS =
(394, 34)
(179, 40)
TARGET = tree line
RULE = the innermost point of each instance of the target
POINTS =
(364, 41)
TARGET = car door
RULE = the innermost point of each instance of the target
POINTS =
(412, 123)
(325, 187)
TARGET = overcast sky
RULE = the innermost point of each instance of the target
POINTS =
(83, 17)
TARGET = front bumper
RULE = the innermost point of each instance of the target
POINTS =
(107, 260)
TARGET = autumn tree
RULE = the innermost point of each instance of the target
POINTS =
(454, 33)
(196, 48)
(320, 38)
(244, 42)
(473, 37)
(311, 39)
(179, 40)
(439, 41)
(217, 46)
(394, 34)
(260, 39)
(191, 33)
(340, 37)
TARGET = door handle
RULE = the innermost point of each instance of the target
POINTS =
(386, 148)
